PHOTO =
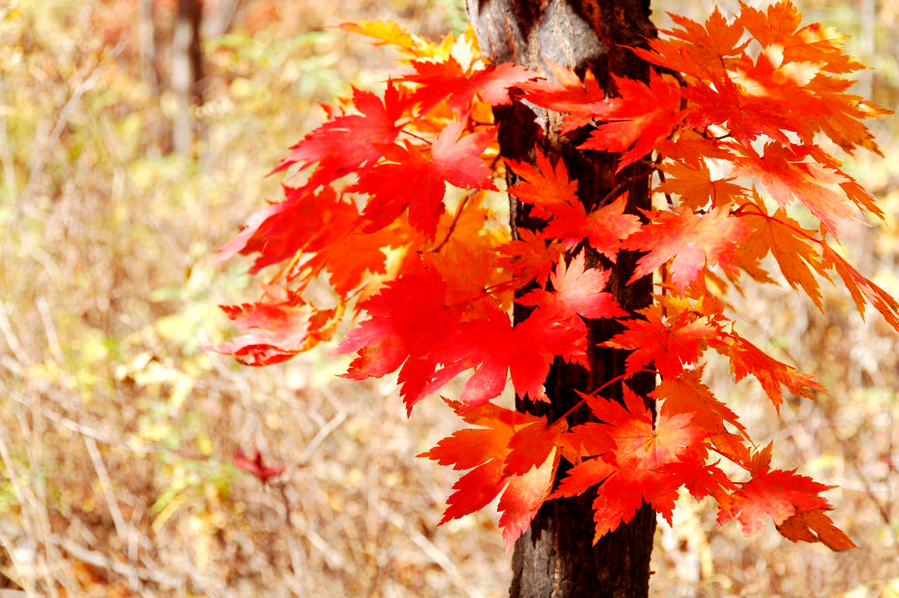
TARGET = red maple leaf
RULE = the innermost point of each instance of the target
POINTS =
(277, 328)
(774, 493)
(528, 258)
(419, 183)
(577, 291)
(635, 121)
(723, 102)
(349, 143)
(408, 320)
(603, 228)
(447, 80)
(568, 93)
(691, 241)
(499, 349)
(305, 220)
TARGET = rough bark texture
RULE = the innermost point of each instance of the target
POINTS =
(556, 557)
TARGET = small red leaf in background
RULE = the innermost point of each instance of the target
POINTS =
(256, 466)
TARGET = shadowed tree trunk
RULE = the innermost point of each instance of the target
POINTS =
(556, 557)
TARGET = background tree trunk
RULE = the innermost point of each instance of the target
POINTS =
(556, 557)
(187, 72)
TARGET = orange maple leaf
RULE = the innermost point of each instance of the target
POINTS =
(815, 526)
(686, 394)
(691, 241)
(696, 187)
(786, 176)
(543, 184)
(746, 358)
(513, 453)
(669, 341)
(862, 289)
(696, 50)
(603, 228)
(789, 243)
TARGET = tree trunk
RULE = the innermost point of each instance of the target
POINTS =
(187, 72)
(556, 557)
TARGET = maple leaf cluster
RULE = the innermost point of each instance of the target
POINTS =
(388, 202)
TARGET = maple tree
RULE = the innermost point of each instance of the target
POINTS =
(391, 201)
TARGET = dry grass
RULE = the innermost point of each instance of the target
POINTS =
(117, 430)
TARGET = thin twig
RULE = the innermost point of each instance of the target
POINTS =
(39, 150)
(122, 529)
(458, 215)
(11, 341)
(320, 436)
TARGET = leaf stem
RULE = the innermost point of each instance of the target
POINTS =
(598, 389)
(458, 215)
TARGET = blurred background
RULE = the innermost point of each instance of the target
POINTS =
(129, 154)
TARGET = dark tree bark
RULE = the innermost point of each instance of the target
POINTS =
(556, 557)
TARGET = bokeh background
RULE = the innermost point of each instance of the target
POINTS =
(120, 177)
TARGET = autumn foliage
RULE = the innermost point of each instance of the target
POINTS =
(389, 201)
